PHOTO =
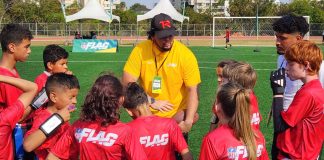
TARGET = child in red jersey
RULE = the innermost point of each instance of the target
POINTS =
(62, 90)
(227, 37)
(15, 44)
(98, 134)
(300, 129)
(10, 115)
(219, 74)
(243, 74)
(234, 138)
(160, 137)
(55, 61)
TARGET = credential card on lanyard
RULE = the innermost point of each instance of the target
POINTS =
(157, 84)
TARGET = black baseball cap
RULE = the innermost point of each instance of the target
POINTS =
(162, 26)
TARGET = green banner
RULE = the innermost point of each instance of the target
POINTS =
(95, 45)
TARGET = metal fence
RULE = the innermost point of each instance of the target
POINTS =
(115, 29)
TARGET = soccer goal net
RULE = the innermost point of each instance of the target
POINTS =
(246, 30)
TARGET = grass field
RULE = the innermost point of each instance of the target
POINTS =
(87, 66)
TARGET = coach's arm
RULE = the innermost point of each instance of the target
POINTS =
(192, 106)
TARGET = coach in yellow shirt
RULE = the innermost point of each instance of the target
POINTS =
(168, 72)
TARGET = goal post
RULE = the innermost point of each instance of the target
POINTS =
(246, 30)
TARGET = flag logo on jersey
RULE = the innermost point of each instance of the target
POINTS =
(78, 133)
(231, 153)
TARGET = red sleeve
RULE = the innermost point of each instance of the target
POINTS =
(177, 138)
(37, 121)
(13, 113)
(207, 151)
(134, 149)
(298, 109)
(8, 94)
(264, 153)
(2, 94)
(63, 148)
(40, 83)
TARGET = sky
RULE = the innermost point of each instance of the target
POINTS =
(150, 3)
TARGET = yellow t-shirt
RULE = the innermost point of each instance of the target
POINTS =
(180, 69)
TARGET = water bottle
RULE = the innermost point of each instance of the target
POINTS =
(18, 142)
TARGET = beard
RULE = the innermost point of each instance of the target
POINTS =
(280, 53)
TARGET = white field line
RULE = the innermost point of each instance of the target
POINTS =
(213, 68)
(255, 69)
(125, 61)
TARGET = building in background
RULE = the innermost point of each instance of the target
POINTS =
(68, 2)
(202, 5)
(106, 4)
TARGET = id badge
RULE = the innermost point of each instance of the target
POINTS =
(157, 85)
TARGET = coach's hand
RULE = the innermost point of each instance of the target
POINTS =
(162, 105)
(185, 126)
(278, 81)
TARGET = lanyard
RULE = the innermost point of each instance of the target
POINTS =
(156, 67)
(282, 63)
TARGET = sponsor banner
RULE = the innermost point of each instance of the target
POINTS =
(95, 45)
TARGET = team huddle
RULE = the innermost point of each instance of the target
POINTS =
(159, 90)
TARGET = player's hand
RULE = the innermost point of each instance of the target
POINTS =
(185, 126)
(278, 81)
(68, 72)
(162, 105)
(65, 113)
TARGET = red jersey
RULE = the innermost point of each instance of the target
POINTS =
(92, 141)
(227, 34)
(222, 144)
(255, 113)
(160, 137)
(8, 118)
(304, 138)
(41, 79)
(8, 93)
(39, 118)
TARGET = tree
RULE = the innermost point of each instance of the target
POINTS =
(311, 8)
(126, 17)
(121, 6)
(5, 7)
(248, 8)
(242, 8)
(50, 11)
(138, 8)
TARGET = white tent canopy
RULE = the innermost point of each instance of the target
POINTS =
(163, 6)
(92, 10)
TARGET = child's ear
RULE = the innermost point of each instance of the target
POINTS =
(299, 37)
(50, 65)
(307, 65)
(52, 97)
(121, 100)
(11, 47)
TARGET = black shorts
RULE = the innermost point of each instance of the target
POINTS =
(227, 40)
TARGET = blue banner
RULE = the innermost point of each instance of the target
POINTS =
(95, 45)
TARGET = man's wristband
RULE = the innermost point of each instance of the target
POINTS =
(51, 124)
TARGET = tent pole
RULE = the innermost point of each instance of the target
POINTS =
(137, 32)
(120, 37)
(187, 33)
